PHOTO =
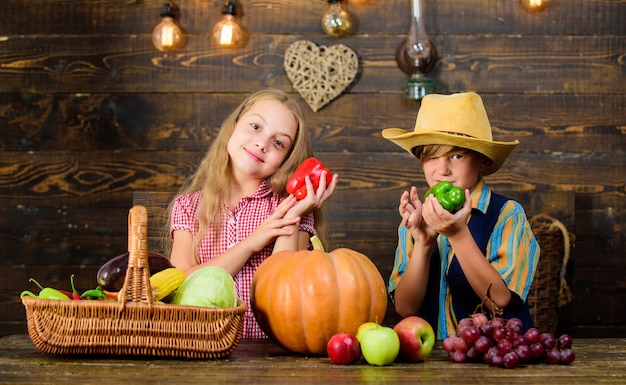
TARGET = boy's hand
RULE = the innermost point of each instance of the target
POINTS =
(442, 220)
(410, 210)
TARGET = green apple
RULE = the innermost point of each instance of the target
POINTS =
(380, 345)
(364, 326)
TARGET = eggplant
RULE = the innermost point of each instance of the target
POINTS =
(112, 274)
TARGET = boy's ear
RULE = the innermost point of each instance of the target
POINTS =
(484, 162)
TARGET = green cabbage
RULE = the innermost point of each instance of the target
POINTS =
(210, 286)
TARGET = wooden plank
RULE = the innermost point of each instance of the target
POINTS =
(366, 179)
(599, 361)
(111, 17)
(484, 63)
(571, 123)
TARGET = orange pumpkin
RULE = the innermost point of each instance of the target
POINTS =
(302, 298)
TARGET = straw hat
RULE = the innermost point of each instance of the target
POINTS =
(458, 120)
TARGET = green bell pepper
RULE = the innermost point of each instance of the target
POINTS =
(450, 197)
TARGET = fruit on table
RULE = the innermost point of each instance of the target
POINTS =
(312, 167)
(111, 275)
(505, 344)
(343, 349)
(380, 345)
(450, 197)
(302, 298)
(363, 327)
(417, 338)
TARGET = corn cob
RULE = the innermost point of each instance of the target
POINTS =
(165, 282)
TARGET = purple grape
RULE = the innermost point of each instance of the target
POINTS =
(499, 333)
(471, 334)
(519, 340)
(460, 344)
(488, 357)
(505, 346)
(538, 350)
(567, 356)
(524, 353)
(459, 357)
(487, 329)
(448, 343)
(510, 360)
(473, 353)
(479, 319)
(564, 341)
(532, 335)
(548, 341)
(516, 325)
(497, 360)
(553, 356)
(462, 325)
(498, 322)
(483, 344)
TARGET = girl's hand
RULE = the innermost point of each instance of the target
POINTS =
(314, 199)
(277, 224)
(443, 221)
(410, 210)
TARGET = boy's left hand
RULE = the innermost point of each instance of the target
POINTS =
(442, 220)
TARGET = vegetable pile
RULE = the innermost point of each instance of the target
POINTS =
(210, 286)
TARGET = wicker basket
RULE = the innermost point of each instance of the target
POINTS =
(549, 290)
(133, 325)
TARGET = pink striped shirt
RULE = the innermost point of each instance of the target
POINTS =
(236, 225)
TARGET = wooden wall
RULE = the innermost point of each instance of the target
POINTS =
(90, 112)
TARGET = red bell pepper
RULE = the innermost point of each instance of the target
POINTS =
(311, 167)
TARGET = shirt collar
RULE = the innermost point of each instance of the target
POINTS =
(262, 191)
(481, 196)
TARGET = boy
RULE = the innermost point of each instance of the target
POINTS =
(446, 264)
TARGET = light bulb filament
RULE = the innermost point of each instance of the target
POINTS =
(167, 36)
(226, 37)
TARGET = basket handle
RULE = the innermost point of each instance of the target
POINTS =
(565, 294)
(137, 281)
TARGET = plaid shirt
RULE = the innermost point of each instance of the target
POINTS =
(236, 225)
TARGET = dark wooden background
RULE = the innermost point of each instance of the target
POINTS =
(90, 112)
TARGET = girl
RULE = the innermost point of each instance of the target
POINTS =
(235, 212)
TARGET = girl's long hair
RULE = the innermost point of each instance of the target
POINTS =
(214, 174)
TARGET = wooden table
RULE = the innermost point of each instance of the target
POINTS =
(598, 361)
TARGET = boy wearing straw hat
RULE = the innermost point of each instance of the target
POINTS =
(447, 264)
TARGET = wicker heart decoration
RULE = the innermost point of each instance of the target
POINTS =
(320, 74)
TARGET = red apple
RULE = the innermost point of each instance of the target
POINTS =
(343, 349)
(417, 339)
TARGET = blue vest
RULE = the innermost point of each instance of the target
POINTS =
(464, 299)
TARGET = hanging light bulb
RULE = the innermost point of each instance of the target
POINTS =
(227, 32)
(417, 56)
(336, 22)
(534, 5)
(167, 36)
